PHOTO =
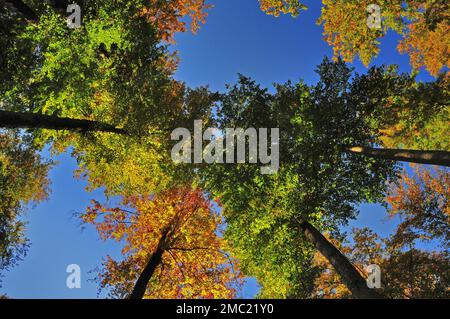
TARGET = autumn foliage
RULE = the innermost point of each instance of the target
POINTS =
(406, 272)
(169, 16)
(423, 26)
(194, 263)
(422, 200)
(277, 7)
(426, 39)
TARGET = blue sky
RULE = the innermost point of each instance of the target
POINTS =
(237, 38)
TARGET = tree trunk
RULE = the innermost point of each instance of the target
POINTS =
(155, 260)
(35, 121)
(348, 273)
(441, 158)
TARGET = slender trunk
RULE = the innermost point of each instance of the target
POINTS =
(155, 260)
(35, 121)
(441, 158)
(348, 273)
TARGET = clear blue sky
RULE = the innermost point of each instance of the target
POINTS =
(237, 38)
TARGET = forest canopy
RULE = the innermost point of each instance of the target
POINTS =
(106, 94)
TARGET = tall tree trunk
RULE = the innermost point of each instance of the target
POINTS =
(34, 121)
(155, 260)
(441, 158)
(348, 273)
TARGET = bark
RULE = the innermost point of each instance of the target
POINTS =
(155, 260)
(35, 121)
(348, 273)
(441, 158)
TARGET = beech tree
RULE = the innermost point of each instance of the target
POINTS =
(406, 271)
(113, 74)
(173, 247)
(96, 72)
(423, 26)
(421, 200)
(23, 180)
(98, 78)
(318, 182)
(327, 141)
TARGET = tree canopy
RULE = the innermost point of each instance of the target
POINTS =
(106, 92)
(100, 72)
(422, 25)
(318, 181)
(23, 180)
(194, 261)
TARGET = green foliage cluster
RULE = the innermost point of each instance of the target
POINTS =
(23, 180)
(318, 180)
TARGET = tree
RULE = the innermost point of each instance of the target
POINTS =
(422, 203)
(317, 182)
(406, 273)
(166, 16)
(403, 113)
(70, 76)
(173, 247)
(100, 73)
(425, 37)
(365, 96)
(114, 73)
(347, 272)
(23, 180)
(327, 283)
(415, 115)
(423, 26)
